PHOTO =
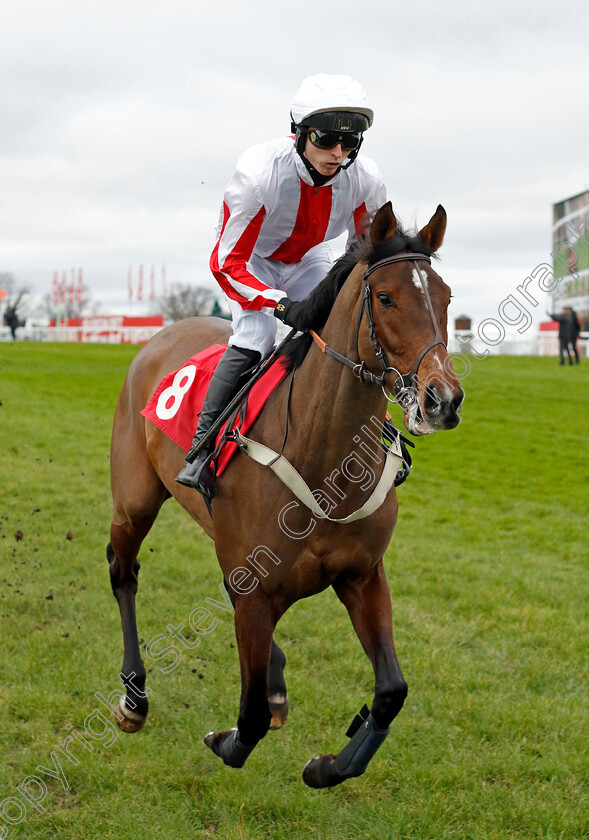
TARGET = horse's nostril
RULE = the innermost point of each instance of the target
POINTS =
(458, 400)
(432, 401)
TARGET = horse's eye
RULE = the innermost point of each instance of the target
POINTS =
(385, 300)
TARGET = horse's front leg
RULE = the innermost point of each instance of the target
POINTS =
(254, 626)
(369, 605)
(277, 694)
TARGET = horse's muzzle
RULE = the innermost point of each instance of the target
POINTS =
(441, 410)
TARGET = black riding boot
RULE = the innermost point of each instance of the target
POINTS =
(197, 473)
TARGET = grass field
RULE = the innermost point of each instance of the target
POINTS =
(489, 580)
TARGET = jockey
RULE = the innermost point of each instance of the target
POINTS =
(284, 203)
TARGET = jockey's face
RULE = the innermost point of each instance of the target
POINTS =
(325, 161)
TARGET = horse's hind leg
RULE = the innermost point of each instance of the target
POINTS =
(254, 626)
(369, 605)
(138, 495)
(277, 698)
(121, 554)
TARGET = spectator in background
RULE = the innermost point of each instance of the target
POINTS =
(11, 319)
(568, 330)
(577, 328)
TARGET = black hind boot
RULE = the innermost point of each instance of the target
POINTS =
(198, 472)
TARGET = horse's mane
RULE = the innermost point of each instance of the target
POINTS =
(313, 311)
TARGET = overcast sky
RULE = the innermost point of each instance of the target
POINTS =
(122, 122)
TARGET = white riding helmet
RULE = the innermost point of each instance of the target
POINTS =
(331, 104)
(325, 93)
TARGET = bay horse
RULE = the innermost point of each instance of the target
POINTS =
(381, 310)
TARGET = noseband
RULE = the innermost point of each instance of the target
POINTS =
(404, 383)
(403, 387)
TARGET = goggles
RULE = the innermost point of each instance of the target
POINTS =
(350, 140)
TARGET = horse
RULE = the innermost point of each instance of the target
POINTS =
(382, 309)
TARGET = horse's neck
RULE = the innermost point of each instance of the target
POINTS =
(331, 408)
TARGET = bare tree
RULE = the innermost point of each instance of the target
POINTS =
(185, 301)
(70, 309)
(16, 301)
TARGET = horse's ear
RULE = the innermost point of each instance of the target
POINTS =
(433, 233)
(384, 225)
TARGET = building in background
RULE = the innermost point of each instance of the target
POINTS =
(570, 251)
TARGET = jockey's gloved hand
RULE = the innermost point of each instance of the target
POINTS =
(282, 309)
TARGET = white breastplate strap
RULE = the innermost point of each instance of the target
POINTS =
(289, 476)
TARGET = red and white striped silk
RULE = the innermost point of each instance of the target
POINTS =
(271, 208)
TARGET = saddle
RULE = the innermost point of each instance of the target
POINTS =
(179, 398)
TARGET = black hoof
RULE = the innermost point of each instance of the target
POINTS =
(228, 747)
(320, 772)
(214, 740)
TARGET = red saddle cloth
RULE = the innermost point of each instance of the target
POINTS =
(178, 400)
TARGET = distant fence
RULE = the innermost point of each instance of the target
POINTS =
(96, 329)
(540, 344)
(124, 335)
(122, 330)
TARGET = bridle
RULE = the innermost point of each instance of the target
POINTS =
(404, 390)
(404, 385)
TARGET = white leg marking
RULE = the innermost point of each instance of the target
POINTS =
(128, 713)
